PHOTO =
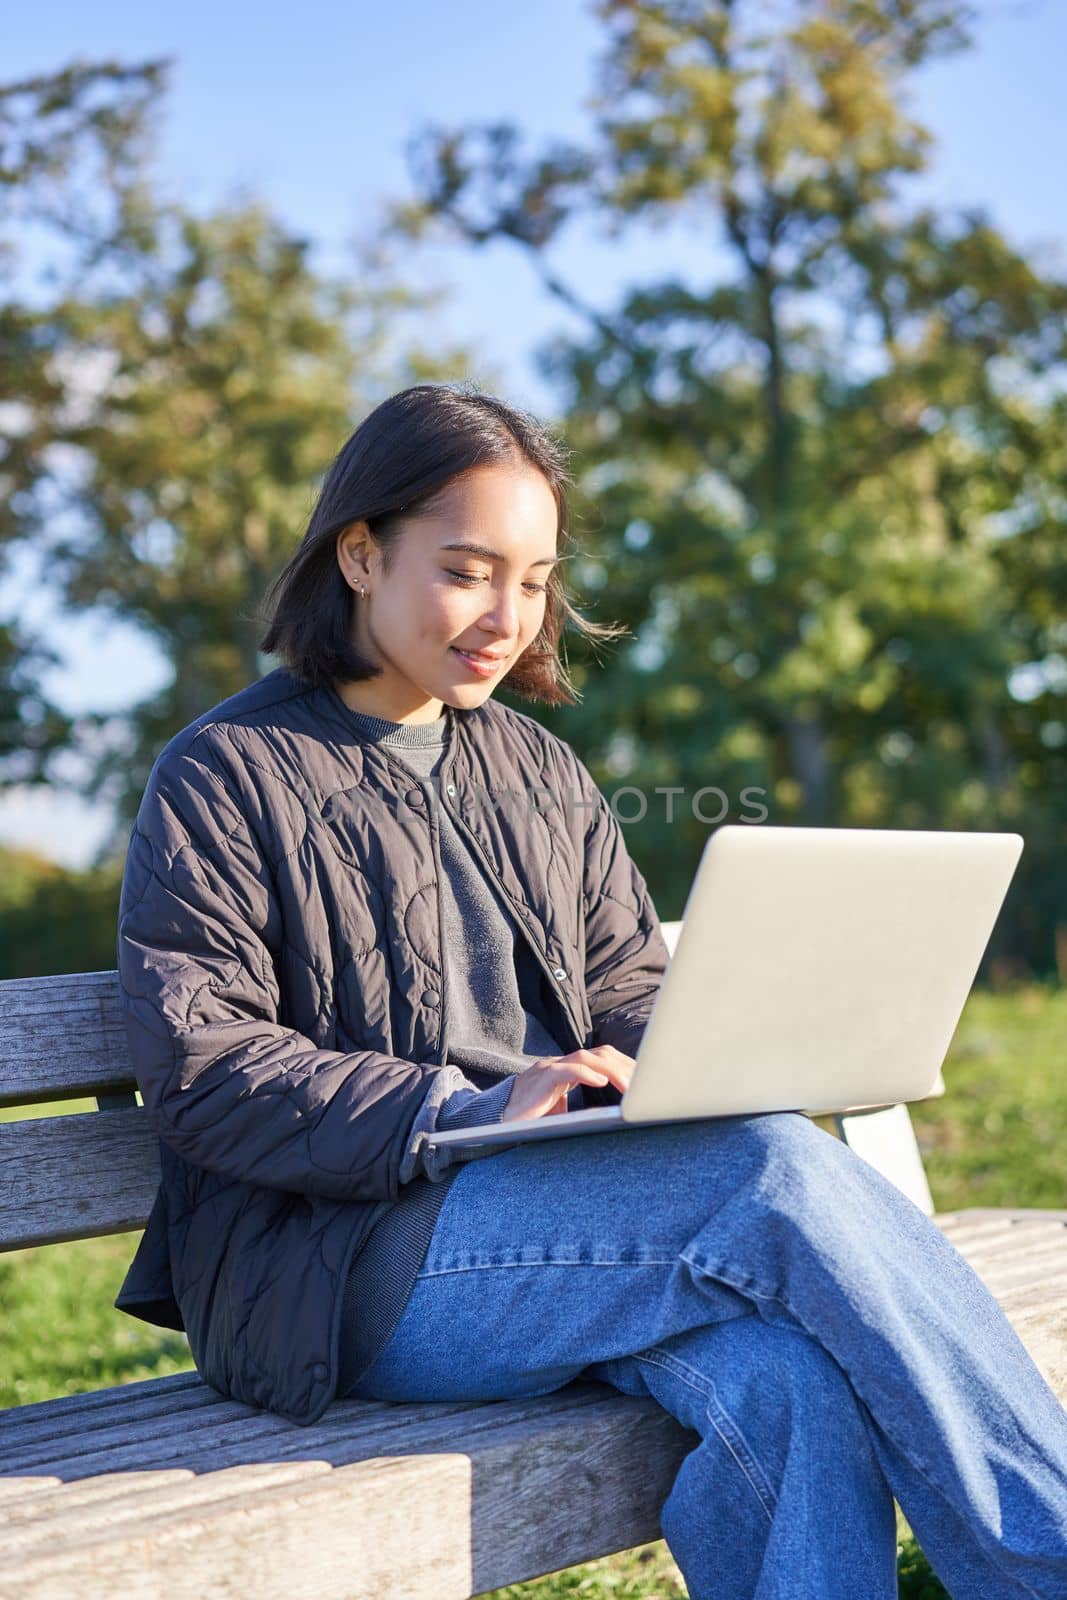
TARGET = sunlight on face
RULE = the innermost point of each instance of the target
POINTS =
(435, 605)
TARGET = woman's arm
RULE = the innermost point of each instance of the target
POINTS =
(224, 1082)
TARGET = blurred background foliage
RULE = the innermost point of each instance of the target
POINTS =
(826, 494)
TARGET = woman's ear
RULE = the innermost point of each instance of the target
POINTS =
(354, 545)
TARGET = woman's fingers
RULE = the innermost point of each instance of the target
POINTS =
(625, 1065)
(611, 1065)
(542, 1090)
(582, 1072)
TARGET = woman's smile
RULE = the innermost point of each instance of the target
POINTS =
(483, 664)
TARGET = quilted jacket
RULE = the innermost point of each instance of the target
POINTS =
(280, 964)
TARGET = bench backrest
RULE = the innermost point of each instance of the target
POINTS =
(75, 1175)
(85, 1173)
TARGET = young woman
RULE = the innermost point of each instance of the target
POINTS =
(364, 900)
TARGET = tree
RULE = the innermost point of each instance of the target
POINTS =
(184, 406)
(71, 208)
(232, 379)
(824, 488)
(54, 919)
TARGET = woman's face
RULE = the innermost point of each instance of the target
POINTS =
(437, 604)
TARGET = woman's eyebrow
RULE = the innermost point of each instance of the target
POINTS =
(496, 555)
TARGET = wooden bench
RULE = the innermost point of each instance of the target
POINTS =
(165, 1488)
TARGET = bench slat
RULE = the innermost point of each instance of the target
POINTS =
(92, 1504)
(1041, 1263)
(40, 1435)
(61, 1037)
(76, 1409)
(130, 1447)
(478, 1506)
(76, 1176)
(216, 1431)
(1012, 1236)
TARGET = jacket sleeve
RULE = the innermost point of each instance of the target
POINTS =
(465, 1106)
(625, 951)
(224, 1082)
(453, 1101)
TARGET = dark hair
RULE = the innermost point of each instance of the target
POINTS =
(397, 464)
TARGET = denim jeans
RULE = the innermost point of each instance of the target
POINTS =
(781, 1298)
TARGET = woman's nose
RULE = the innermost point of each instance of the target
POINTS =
(503, 614)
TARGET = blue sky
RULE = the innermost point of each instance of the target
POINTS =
(311, 107)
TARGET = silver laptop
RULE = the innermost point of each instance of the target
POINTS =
(817, 969)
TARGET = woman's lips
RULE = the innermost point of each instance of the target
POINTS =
(478, 664)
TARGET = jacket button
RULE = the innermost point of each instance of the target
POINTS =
(430, 997)
(450, 788)
(320, 1372)
(559, 972)
(414, 797)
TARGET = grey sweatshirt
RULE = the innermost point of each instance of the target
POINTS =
(495, 1027)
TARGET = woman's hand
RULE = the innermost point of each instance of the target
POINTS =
(541, 1090)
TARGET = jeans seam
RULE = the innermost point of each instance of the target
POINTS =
(720, 1419)
(721, 1270)
(480, 1266)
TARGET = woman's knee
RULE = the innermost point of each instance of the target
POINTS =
(747, 1356)
(790, 1215)
(805, 1377)
(754, 1136)
(779, 1385)
(789, 1135)
(767, 1390)
(734, 1160)
(792, 1164)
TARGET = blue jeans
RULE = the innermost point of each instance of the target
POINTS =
(782, 1299)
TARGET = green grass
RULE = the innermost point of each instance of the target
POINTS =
(994, 1139)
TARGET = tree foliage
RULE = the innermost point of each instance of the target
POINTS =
(823, 481)
(182, 406)
(824, 486)
(72, 209)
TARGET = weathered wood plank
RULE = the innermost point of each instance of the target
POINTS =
(1021, 1257)
(1040, 1265)
(61, 1037)
(74, 1409)
(342, 1436)
(76, 1176)
(1009, 1241)
(93, 1504)
(454, 1515)
(975, 1222)
(20, 1430)
(224, 1440)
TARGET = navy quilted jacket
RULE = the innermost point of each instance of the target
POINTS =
(279, 956)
